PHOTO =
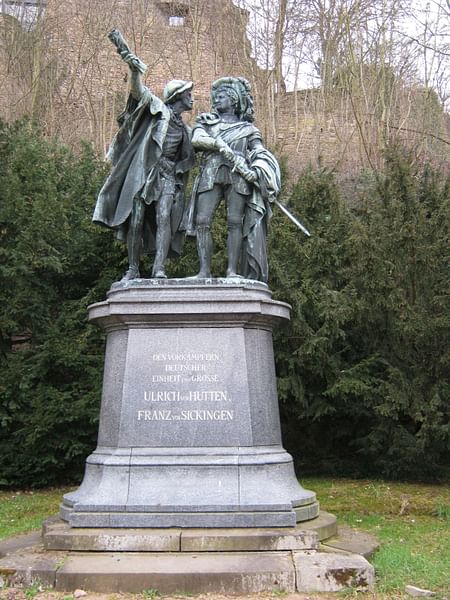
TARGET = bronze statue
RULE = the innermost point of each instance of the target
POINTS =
(237, 168)
(143, 197)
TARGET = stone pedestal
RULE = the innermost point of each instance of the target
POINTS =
(189, 430)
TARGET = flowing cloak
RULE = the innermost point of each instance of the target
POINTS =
(134, 154)
(258, 213)
(236, 135)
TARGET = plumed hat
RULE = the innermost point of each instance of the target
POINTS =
(242, 89)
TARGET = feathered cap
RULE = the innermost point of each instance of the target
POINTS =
(241, 89)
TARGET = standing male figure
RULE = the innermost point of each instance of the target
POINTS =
(237, 168)
(143, 197)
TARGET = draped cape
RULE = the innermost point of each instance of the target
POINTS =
(134, 154)
(258, 212)
(258, 209)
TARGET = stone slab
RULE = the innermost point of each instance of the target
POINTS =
(19, 542)
(26, 566)
(324, 572)
(233, 540)
(239, 573)
(325, 524)
(178, 519)
(57, 535)
(352, 541)
(306, 513)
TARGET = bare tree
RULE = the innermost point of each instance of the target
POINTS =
(334, 81)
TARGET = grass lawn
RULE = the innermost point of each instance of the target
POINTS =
(22, 511)
(412, 521)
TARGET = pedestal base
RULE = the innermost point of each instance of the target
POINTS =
(191, 561)
(189, 427)
(215, 487)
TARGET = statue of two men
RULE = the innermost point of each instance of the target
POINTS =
(151, 155)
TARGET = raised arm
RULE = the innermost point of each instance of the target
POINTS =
(136, 86)
(135, 64)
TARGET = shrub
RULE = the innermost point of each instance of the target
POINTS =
(363, 366)
(54, 263)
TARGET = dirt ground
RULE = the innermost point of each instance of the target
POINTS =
(28, 594)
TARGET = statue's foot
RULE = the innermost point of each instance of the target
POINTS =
(159, 274)
(132, 273)
(233, 275)
(201, 275)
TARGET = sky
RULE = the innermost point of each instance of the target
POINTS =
(416, 37)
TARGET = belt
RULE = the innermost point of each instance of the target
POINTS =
(166, 165)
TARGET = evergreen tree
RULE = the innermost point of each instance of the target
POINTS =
(363, 366)
(54, 263)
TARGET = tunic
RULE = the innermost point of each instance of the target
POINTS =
(244, 139)
(215, 168)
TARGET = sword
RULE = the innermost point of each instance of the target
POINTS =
(292, 218)
(241, 167)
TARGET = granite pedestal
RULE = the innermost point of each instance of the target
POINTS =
(189, 431)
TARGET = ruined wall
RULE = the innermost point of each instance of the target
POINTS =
(62, 70)
(65, 71)
(345, 135)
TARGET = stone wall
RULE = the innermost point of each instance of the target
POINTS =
(345, 136)
(65, 72)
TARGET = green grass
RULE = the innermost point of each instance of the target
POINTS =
(24, 511)
(412, 521)
(151, 594)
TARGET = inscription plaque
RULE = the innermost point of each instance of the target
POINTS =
(180, 397)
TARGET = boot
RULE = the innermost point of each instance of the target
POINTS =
(131, 273)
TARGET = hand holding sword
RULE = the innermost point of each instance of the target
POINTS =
(240, 166)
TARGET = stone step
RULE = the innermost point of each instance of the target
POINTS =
(325, 572)
(58, 535)
(192, 560)
(352, 541)
(178, 573)
(189, 573)
(19, 542)
(325, 525)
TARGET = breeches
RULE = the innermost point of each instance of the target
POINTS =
(162, 205)
(163, 209)
(208, 201)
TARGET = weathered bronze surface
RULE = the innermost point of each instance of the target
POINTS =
(143, 197)
(238, 168)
